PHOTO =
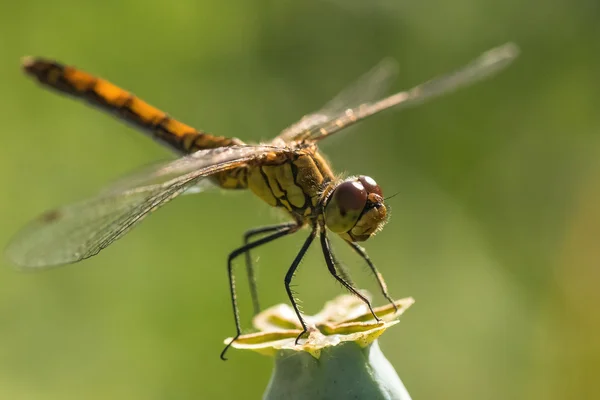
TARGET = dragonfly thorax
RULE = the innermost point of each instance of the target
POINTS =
(355, 209)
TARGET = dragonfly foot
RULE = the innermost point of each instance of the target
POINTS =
(305, 331)
(228, 346)
(394, 305)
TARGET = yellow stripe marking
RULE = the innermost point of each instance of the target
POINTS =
(177, 128)
(112, 94)
(80, 80)
(146, 112)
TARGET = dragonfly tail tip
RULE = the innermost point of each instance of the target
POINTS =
(27, 62)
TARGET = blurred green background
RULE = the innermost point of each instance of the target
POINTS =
(495, 232)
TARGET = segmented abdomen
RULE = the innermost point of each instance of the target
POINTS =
(124, 105)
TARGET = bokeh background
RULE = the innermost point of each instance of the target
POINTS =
(495, 231)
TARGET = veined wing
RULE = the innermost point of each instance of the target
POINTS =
(150, 175)
(482, 67)
(78, 231)
(369, 87)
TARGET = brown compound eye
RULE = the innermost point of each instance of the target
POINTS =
(370, 185)
(350, 196)
(345, 206)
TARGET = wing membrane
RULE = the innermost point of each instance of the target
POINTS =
(152, 174)
(368, 87)
(78, 231)
(482, 67)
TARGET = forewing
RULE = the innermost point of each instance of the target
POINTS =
(78, 231)
(482, 67)
(369, 87)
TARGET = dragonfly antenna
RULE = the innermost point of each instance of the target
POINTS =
(389, 197)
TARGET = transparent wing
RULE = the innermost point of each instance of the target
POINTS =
(368, 87)
(78, 231)
(482, 67)
(149, 175)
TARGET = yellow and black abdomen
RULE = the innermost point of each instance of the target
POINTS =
(124, 105)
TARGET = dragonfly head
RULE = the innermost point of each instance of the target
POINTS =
(355, 209)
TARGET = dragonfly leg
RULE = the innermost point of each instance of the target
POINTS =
(290, 274)
(331, 263)
(285, 230)
(363, 254)
(250, 265)
(342, 271)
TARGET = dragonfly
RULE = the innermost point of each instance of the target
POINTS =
(288, 173)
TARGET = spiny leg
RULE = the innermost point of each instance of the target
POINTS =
(343, 271)
(286, 230)
(331, 263)
(250, 266)
(363, 253)
(290, 275)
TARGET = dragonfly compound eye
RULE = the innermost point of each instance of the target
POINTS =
(370, 185)
(345, 206)
(355, 209)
